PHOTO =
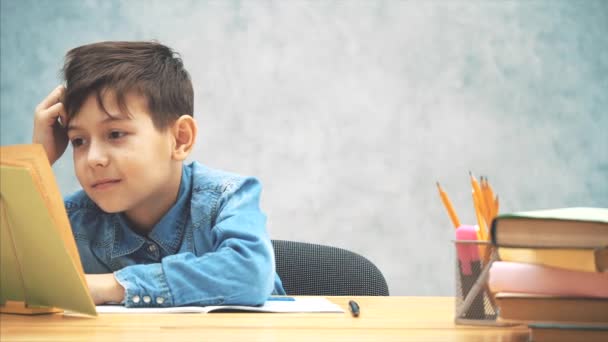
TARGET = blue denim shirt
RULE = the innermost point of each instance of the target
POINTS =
(210, 248)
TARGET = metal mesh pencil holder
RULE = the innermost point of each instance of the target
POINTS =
(474, 302)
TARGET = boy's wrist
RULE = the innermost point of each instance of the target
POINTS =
(105, 288)
(116, 293)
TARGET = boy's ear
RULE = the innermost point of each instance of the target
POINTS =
(184, 131)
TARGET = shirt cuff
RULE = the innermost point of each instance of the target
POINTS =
(145, 286)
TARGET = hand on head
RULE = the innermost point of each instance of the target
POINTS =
(50, 119)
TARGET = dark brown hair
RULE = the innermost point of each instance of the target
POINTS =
(150, 69)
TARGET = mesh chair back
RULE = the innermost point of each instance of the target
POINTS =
(311, 269)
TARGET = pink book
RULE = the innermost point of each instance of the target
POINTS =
(537, 279)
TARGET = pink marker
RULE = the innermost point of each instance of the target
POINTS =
(468, 253)
(470, 269)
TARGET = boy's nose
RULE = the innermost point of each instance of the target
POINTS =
(97, 155)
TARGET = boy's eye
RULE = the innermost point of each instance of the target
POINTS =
(116, 134)
(76, 142)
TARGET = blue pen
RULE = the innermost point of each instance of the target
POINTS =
(281, 299)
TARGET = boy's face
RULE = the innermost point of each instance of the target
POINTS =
(122, 161)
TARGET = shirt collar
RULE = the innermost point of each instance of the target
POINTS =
(167, 233)
(126, 241)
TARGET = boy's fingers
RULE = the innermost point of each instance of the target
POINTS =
(53, 98)
(63, 115)
(51, 114)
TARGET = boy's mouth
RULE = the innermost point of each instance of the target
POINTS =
(104, 183)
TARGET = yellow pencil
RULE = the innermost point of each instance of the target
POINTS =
(480, 218)
(477, 193)
(478, 202)
(493, 201)
(488, 197)
(481, 231)
(448, 205)
(482, 196)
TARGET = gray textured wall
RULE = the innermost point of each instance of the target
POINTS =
(349, 111)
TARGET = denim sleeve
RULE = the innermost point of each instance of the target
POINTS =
(239, 270)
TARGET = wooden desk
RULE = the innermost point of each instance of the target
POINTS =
(381, 319)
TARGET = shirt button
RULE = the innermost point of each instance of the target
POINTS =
(147, 299)
(135, 299)
(160, 300)
(152, 248)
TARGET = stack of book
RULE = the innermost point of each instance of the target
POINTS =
(553, 272)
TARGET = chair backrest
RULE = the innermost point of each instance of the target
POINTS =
(311, 269)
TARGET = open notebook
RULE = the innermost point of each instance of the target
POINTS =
(273, 304)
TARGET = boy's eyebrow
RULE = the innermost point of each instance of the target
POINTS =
(104, 121)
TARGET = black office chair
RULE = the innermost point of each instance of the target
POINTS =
(311, 269)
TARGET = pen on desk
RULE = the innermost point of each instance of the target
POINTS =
(354, 308)
(448, 206)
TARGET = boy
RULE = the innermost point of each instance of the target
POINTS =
(150, 230)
